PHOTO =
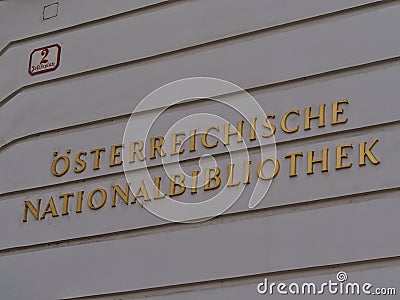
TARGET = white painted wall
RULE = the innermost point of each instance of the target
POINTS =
(289, 54)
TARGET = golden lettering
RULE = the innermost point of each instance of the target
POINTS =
(214, 177)
(97, 154)
(192, 140)
(293, 162)
(320, 116)
(268, 125)
(275, 172)
(80, 162)
(114, 155)
(311, 161)
(50, 208)
(253, 124)
(267, 169)
(55, 162)
(246, 177)
(204, 137)
(175, 142)
(138, 152)
(124, 196)
(157, 189)
(66, 202)
(340, 156)
(230, 175)
(79, 202)
(142, 192)
(284, 121)
(364, 151)
(156, 145)
(238, 132)
(174, 183)
(195, 175)
(103, 198)
(34, 210)
(336, 111)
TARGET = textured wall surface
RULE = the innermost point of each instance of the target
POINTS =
(289, 55)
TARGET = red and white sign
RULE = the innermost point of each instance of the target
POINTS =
(44, 59)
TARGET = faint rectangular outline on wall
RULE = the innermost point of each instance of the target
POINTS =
(50, 11)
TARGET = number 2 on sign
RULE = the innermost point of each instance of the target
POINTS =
(44, 53)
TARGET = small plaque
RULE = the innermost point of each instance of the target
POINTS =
(45, 59)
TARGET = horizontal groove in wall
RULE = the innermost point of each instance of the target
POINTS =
(151, 7)
(362, 265)
(367, 67)
(214, 43)
(344, 133)
(114, 17)
(224, 218)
